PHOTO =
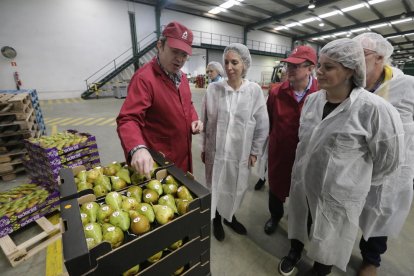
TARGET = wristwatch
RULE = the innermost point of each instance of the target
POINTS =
(134, 150)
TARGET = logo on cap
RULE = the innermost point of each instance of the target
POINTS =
(185, 35)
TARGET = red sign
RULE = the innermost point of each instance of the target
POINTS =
(13, 63)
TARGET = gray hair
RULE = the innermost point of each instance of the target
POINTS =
(216, 66)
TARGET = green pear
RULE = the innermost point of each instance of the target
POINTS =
(110, 170)
(133, 214)
(93, 230)
(155, 258)
(184, 193)
(132, 271)
(84, 186)
(155, 185)
(176, 245)
(104, 181)
(140, 225)
(168, 200)
(92, 175)
(154, 167)
(169, 179)
(81, 176)
(117, 183)
(114, 236)
(105, 227)
(163, 214)
(121, 219)
(91, 243)
(116, 166)
(114, 200)
(137, 178)
(150, 196)
(104, 213)
(99, 190)
(169, 189)
(84, 218)
(146, 210)
(135, 192)
(123, 173)
(91, 209)
(129, 203)
(179, 271)
(182, 205)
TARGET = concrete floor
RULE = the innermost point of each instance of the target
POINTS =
(254, 254)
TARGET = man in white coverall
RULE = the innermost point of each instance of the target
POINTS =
(389, 200)
(348, 139)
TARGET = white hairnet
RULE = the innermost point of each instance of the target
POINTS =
(216, 66)
(243, 52)
(376, 43)
(350, 54)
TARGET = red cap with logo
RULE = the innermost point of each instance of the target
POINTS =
(178, 36)
(301, 54)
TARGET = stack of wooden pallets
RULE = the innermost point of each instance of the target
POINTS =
(18, 121)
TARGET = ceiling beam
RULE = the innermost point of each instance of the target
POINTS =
(407, 5)
(293, 12)
(256, 9)
(356, 26)
(402, 43)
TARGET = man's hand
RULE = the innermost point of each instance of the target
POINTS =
(142, 162)
(196, 127)
(252, 160)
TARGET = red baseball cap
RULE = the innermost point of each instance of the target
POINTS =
(179, 37)
(301, 54)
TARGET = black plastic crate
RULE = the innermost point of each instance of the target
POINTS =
(192, 227)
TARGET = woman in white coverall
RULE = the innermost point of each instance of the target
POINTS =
(236, 127)
(348, 138)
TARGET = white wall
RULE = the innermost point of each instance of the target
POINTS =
(60, 43)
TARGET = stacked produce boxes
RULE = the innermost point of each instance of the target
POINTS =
(48, 154)
(173, 243)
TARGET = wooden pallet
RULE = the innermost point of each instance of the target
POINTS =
(11, 158)
(14, 102)
(17, 254)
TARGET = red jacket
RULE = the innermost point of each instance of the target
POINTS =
(158, 115)
(284, 114)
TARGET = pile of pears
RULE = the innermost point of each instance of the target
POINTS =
(60, 140)
(136, 210)
(112, 177)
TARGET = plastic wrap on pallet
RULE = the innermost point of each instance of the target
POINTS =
(10, 228)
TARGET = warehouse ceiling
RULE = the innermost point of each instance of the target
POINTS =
(329, 20)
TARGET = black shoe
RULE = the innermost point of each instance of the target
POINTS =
(259, 184)
(218, 230)
(271, 225)
(288, 263)
(236, 226)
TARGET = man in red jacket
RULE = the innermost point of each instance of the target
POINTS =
(284, 106)
(158, 112)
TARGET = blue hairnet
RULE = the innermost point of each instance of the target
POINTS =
(350, 54)
(244, 54)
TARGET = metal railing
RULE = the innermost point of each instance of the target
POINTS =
(201, 37)
(119, 60)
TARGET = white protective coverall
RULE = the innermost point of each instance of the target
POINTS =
(336, 159)
(236, 125)
(389, 200)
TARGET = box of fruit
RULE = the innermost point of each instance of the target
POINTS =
(10, 228)
(158, 227)
(24, 200)
(59, 144)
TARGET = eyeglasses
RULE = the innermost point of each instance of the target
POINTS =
(369, 52)
(296, 66)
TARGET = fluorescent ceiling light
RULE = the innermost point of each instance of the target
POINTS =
(393, 36)
(281, 28)
(401, 20)
(354, 7)
(229, 4)
(378, 25)
(326, 36)
(409, 34)
(340, 33)
(307, 20)
(372, 2)
(358, 30)
(216, 10)
(325, 15)
(290, 25)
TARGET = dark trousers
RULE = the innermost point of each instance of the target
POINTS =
(275, 207)
(372, 249)
(296, 246)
